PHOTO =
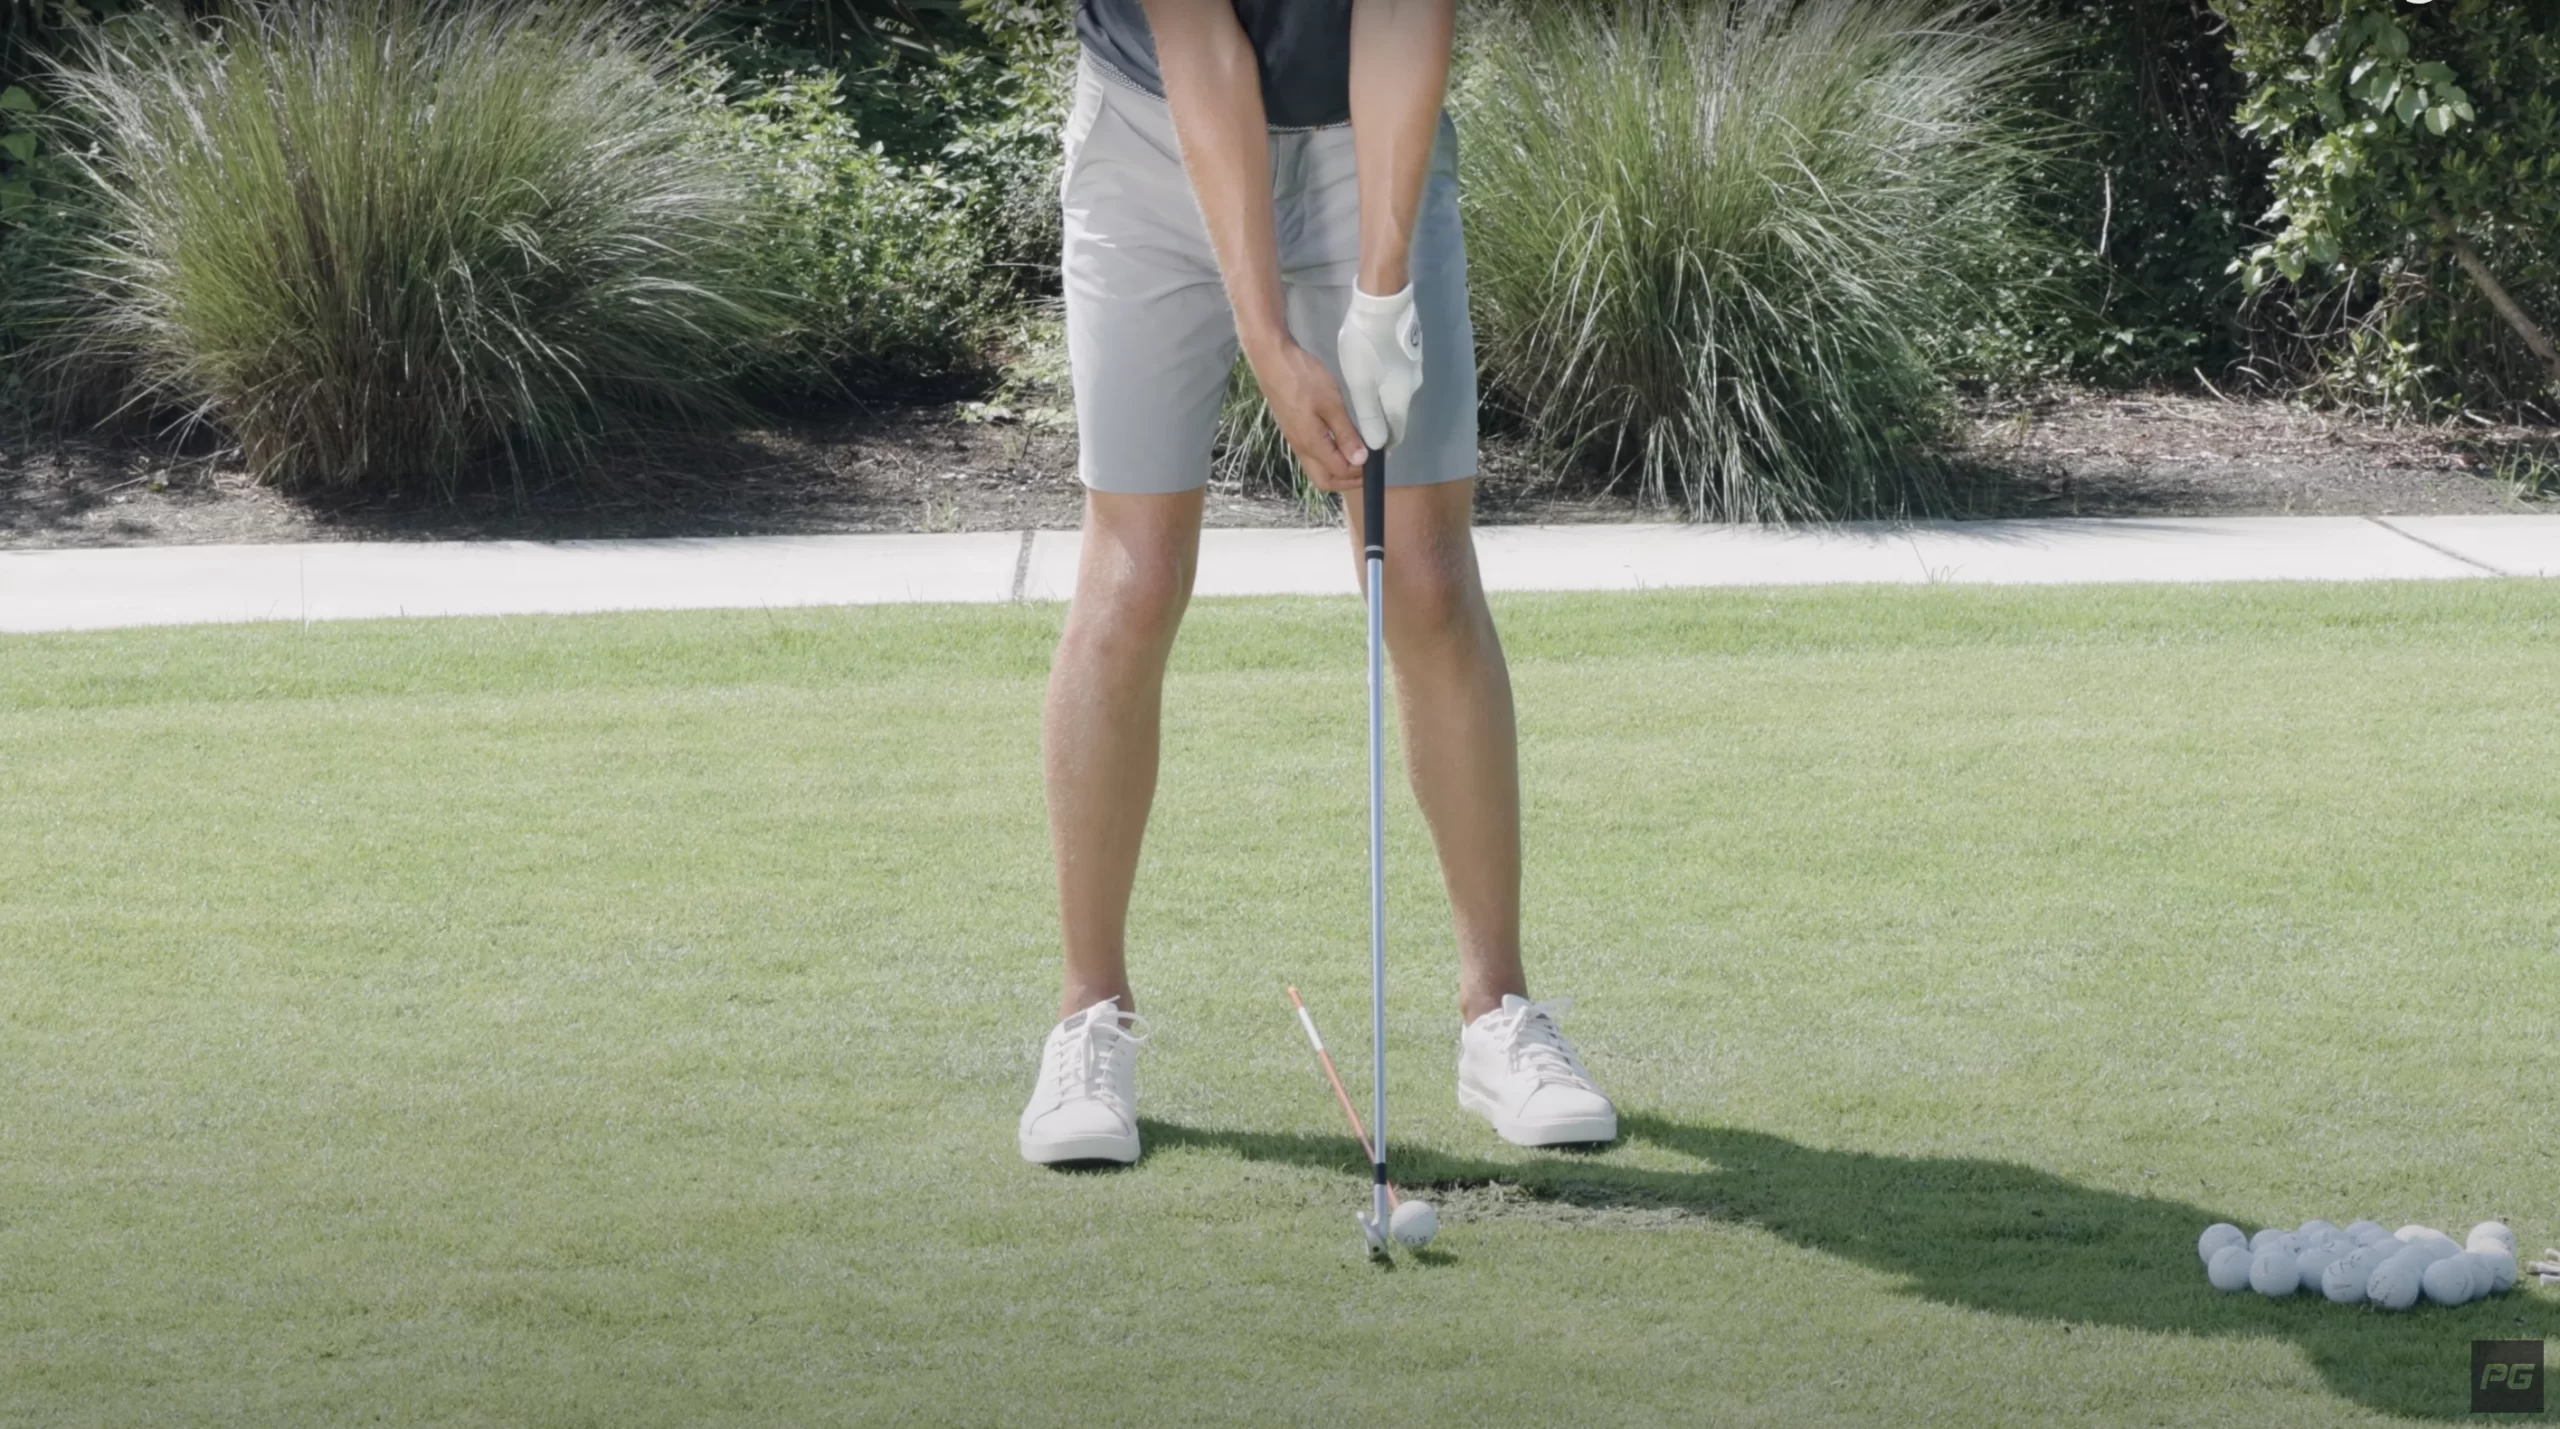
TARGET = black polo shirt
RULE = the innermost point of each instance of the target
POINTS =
(1303, 46)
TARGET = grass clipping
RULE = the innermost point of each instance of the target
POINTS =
(1706, 239)
(370, 239)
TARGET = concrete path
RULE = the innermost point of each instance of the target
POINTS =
(182, 585)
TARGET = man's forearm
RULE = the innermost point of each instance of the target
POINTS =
(1214, 88)
(1399, 79)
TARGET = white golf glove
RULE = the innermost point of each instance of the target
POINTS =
(1381, 351)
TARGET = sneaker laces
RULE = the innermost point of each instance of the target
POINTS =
(1532, 1043)
(1083, 1061)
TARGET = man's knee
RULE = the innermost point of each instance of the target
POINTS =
(1140, 598)
(1137, 569)
(1432, 586)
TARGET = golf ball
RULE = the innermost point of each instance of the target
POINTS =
(2215, 1237)
(2491, 1235)
(1414, 1223)
(2345, 1280)
(2415, 1233)
(2314, 1261)
(2229, 1268)
(2314, 1227)
(2428, 1252)
(2484, 1273)
(2448, 1281)
(2275, 1271)
(2501, 1266)
(2270, 1238)
(2395, 1284)
(2363, 1230)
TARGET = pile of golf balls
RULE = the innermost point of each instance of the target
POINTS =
(2361, 1263)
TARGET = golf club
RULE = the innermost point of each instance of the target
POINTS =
(1373, 530)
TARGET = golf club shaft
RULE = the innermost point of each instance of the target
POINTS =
(1351, 1114)
(1373, 508)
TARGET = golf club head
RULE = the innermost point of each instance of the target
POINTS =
(1373, 1233)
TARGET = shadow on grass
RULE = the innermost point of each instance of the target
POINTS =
(1984, 1235)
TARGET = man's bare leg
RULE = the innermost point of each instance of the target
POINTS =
(1461, 748)
(1099, 731)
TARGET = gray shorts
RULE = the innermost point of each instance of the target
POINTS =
(1150, 337)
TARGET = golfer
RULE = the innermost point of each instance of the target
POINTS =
(1275, 175)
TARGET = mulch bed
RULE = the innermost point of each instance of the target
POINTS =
(2082, 454)
(927, 465)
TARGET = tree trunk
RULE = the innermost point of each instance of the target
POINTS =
(2490, 288)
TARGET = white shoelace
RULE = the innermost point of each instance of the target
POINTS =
(1082, 1063)
(1532, 1043)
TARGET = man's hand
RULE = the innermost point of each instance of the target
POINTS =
(1304, 400)
(1381, 353)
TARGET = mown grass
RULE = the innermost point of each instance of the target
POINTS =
(621, 1020)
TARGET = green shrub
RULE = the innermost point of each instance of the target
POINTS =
(968, 94)
(2417, 176)
(1010, 102)
(36, 220)
(34, 31)
(374, 239)
(906, 162)
(18, 142)
(884, 263)
(2155, 194)
(1708, 238)
(836, 34)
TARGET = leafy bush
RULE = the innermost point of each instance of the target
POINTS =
(966, 95)
(17, 150)
(840, 33)
(1707, 238)
(35, 222)
(883, 262)
(906, 161)
(2155, 195)
(2417, 176)
(374, 238)
(1010, 102)
(31, 31)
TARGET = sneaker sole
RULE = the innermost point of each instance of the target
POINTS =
(1577, 1131)
(1122, 1149)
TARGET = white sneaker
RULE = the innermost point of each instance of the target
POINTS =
(1085, 1107)
(1517, 1071)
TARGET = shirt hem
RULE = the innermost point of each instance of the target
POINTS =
(1115, 75)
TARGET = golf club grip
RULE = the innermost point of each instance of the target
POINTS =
(1373, 507)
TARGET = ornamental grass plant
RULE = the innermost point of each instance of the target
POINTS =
(374, 241)
(1709, 238)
